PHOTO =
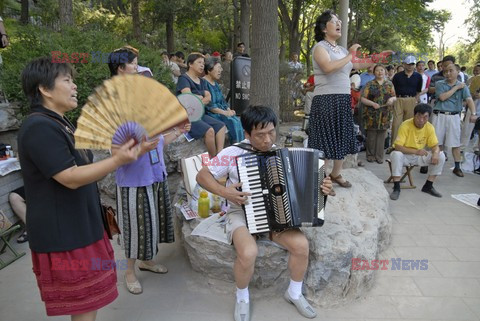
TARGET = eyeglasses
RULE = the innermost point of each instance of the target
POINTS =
(336, 21)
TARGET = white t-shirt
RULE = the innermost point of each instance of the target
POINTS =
(174, 67)
(225, 163)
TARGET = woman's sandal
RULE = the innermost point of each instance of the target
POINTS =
(23, 237)
(133, 287)
(337, 179)
(157, 268)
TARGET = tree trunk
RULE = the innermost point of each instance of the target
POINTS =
(137, 32)
(264, 71)
(236, 25)
(245, 24)
(170, 36)
(343, 15)
(66, 12)
(24, 13)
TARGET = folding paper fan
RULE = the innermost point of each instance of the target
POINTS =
(125, 107)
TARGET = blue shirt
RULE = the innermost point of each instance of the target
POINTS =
(454, 103)
(218, 101)
(184, 81)
(147, 169)
(365, 77)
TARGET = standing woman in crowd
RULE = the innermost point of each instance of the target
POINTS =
(378, 98)
(64, 219)
(331, 120)
(218, 107)
(208, 127)
(143, 201)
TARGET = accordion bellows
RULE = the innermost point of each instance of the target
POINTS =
(126, 99)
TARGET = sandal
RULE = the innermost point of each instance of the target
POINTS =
(23, 237)
(337, 179)
(133, 287)
(157, 268)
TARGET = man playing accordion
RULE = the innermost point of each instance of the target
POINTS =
(259, 124)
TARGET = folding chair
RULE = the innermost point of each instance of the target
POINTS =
(5, 237)
(408, 170)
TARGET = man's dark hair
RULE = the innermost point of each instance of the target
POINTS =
(192, 57)
(114, 63)
(321, 24)
(431, 61)
(449, 58)
(42, 72)
(240, 43)
(422, 109)
(420, 62)
(439, 63)
(463, 68)
(389, 67)
(180, 55)
(257, 115)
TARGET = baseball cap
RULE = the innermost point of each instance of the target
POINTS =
(410, 60)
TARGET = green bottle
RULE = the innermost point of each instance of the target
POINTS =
(203, 205)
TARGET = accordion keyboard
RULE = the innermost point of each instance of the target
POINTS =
(255, 209)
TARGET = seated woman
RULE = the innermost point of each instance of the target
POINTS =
(218, 107)
(208, 127)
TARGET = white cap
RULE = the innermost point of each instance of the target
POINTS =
(410, 60)
(355, 79)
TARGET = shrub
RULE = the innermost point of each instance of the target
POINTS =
(28, 43)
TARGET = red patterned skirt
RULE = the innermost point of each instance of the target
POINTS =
(77, 281)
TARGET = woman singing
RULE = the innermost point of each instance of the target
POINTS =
(331, 120)
(64, 220)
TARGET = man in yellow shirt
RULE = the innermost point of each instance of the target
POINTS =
(413, 135)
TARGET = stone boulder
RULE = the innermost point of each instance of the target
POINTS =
(173, 153)
(8, 119)
(357, 225)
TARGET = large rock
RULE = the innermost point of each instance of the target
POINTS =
(173, 153)
(357, 225)
(8, 119)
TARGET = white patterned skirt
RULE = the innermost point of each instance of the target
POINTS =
(144, 219)
(331, 126)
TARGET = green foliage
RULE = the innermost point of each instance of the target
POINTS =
(29, 42)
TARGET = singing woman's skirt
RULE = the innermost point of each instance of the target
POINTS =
(331, 126)
(77, 281)
(145, 219)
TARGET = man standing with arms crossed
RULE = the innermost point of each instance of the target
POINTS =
(447, 111)
(408, 85)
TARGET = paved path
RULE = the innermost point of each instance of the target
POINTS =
(444, 231)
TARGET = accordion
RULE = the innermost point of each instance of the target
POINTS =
(285, 187)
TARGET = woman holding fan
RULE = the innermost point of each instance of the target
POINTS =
(143, 201)
(64, 220)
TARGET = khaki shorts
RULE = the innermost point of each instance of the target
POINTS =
(236, 218)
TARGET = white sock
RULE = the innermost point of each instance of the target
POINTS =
(295, 289)
(243, 294)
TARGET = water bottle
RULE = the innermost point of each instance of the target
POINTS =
(288, 141)
(203, 205)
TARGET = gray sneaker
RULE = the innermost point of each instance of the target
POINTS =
(242, 311)
(302, 305)
(395, 194)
